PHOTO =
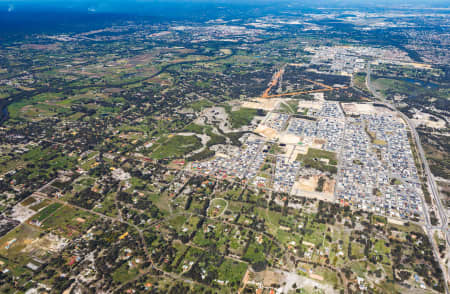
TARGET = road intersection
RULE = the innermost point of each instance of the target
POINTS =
(436, 203)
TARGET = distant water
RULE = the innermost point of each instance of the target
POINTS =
(17, 24)
(422, 83)
(4, 114)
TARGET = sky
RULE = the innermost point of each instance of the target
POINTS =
(130, 6)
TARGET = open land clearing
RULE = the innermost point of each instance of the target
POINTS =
(428, 120)
(287, 280)
(309, 184)
(363, 108)
(267, 132)
(276, 77)
(290, 139)
(307, 187)
(262, 103)
(316, 104)
(359, 108)
(292, 151)
(48, 243)
(306, 92)
(22, 213)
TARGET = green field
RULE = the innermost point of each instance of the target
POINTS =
(290, 107)
(177, 146)
(69, 222)
(207, 130)
(232, 271)
(255, 254)
(194, 128)
(46, 212)
(22, 234)
(359, 81)
(124, 273)
(216, 207)
(313, 159)
(40, 205)
(28, 201)
(201, 104)
(241, 117)
(393, 85)
(108, 206)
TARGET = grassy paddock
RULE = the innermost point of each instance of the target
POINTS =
(177, 146)
(312, 160)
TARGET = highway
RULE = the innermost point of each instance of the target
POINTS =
(431, 184)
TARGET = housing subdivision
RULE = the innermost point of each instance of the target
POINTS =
(355, 154)
(242, 165)
(377, 168)
(285, 174)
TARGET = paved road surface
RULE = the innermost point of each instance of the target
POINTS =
(431, 183)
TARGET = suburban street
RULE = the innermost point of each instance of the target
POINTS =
(430, 183)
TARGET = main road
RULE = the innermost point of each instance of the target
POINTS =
(430, 181)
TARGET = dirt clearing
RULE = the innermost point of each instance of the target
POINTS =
(266, 132)
(261, 103)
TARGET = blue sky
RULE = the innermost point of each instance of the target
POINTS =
(120, 5)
